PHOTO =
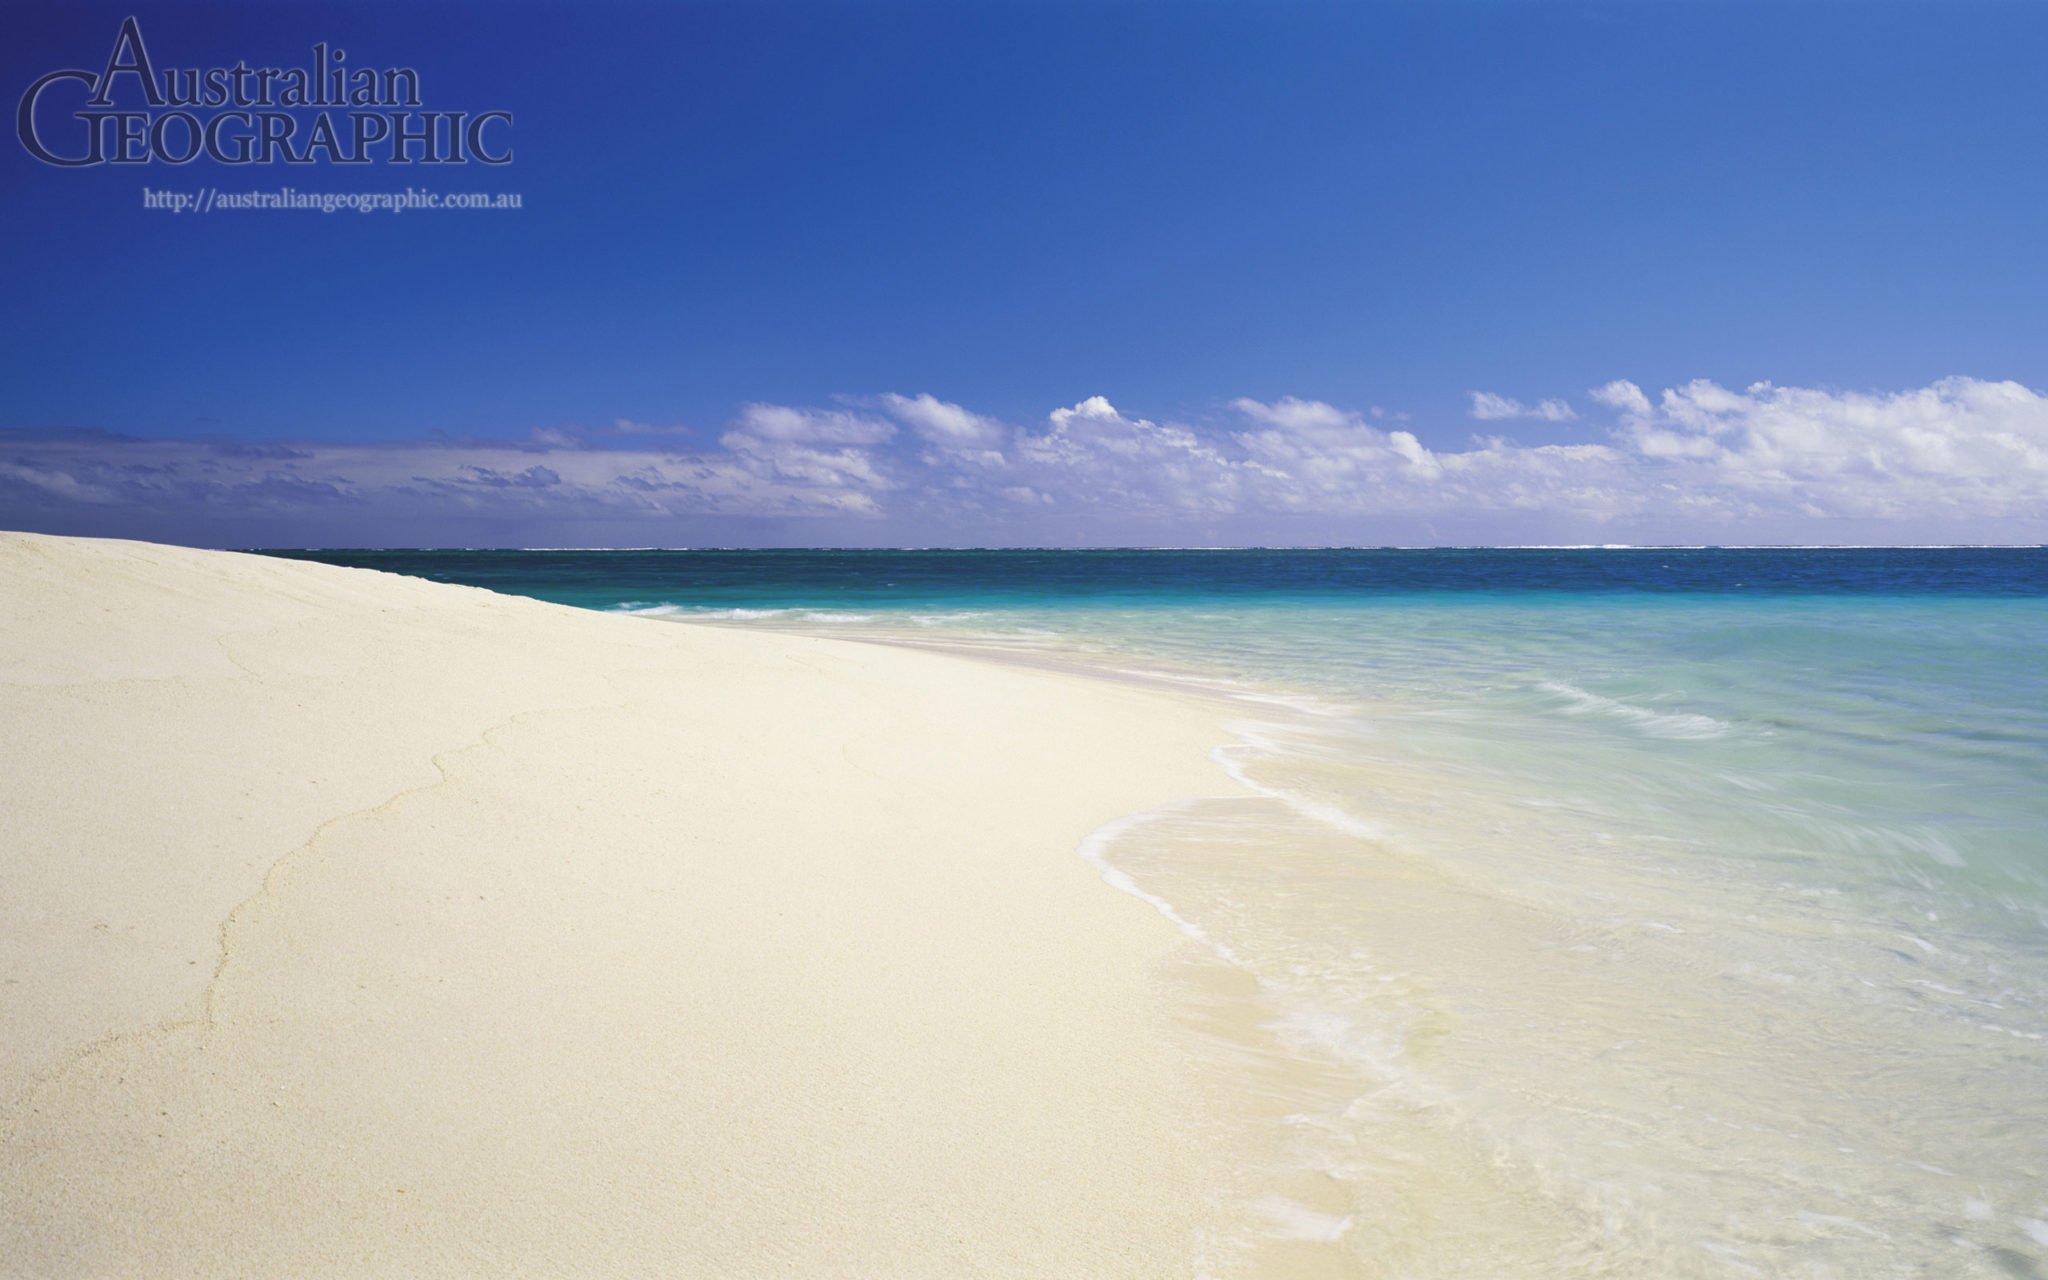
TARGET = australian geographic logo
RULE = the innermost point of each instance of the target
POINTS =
(248, 115)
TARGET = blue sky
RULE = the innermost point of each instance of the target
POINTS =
(759, 241)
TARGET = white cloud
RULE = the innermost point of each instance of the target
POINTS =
(1307, 456)
(827, 453)
(1961, 459)
(1622, 394)
(1961, 447)
(1488, 407)
(944, 423)
(952, 435)
(56, 481)
(1093, 454)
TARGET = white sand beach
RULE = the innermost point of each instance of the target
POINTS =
(358, 925)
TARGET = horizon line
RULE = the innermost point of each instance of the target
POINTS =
(1445, 546)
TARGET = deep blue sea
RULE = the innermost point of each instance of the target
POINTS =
(1665, 912)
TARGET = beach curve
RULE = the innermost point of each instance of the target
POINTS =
(358, 924)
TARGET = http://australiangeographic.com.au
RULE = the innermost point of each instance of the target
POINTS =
(211, 199)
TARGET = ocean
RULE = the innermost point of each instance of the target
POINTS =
(1589, 912)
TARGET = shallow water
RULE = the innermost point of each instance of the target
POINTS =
(1675, 913)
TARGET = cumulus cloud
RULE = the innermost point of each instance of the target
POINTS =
(944, 423)
(1091, 454)
(1957, 448)
(826, 453)
(951, 434)
(1488, 407)
(1304, 455)
(1622, 394)
(1961, 459)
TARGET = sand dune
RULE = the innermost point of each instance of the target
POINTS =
(353, 924)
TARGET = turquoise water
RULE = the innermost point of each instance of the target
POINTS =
(1605, 912)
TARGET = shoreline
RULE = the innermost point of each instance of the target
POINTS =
(1483, 1005)
(730, 948)
(367, 923)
